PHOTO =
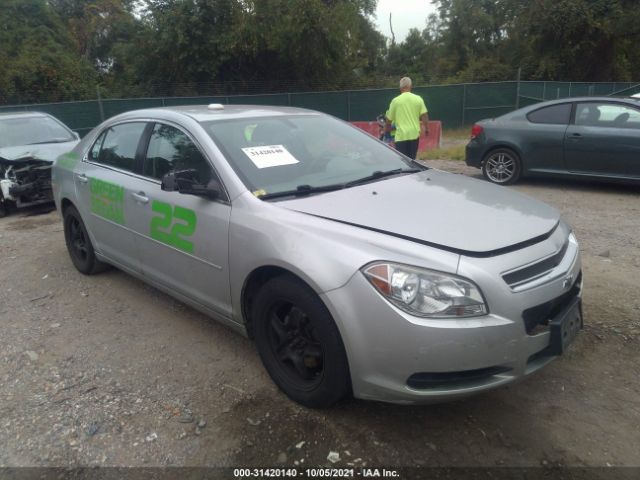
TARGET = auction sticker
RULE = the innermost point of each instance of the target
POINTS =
(269, 156)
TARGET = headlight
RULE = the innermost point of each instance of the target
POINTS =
(573, 239)
(426, 293)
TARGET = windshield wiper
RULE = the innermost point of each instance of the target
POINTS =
(381, 174)
(53, 140)
(302, 190)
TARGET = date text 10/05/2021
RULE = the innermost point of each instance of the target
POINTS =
(315, 473)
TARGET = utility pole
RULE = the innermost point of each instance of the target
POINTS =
(100, 103)
(393, 37)
(518, 89)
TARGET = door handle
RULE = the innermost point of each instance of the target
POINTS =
(82, 178)
(140, 197)
(576, 135)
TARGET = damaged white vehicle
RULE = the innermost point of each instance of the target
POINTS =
(29, 144)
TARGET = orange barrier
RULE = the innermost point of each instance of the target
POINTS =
(426, 143)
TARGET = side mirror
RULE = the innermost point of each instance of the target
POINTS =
(185, 182)
(77, 135)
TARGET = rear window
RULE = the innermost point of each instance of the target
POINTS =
(555, 114)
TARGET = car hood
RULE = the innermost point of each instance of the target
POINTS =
(46, 151)
(449, 211)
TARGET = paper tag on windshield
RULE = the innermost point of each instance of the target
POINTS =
(269, 156)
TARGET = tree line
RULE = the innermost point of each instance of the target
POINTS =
(56, 50)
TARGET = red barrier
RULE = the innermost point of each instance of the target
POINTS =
(426, 143)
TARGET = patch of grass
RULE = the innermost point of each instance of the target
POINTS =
(456, 133)
(452, 152)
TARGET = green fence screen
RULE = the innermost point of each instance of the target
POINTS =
(454, 105)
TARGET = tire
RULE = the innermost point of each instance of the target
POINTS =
(502, 167)
(4, 206)
(79, 244)
(299, 343)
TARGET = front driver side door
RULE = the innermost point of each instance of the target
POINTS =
(183, 239)
(604, 139)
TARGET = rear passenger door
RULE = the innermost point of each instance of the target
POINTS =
(604, 139)
(106, 182)
(183, 239)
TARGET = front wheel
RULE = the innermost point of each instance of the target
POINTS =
(299, 343)
(502, 166)
(79, 244)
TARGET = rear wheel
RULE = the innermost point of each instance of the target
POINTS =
(502, 166)
(299, 343)
(79, 244)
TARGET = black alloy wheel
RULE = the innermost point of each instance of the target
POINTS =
(79, 243)
(299, 343)
(292, 340)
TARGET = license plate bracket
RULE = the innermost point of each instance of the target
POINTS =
(565, 327)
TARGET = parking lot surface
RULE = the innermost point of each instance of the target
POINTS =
(105, 370)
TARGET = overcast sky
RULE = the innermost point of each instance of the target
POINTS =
(407, 14)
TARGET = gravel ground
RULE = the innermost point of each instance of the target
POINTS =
(105, 370)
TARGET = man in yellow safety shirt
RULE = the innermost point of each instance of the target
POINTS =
(409, 114)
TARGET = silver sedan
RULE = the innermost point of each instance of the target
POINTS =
(354, 269)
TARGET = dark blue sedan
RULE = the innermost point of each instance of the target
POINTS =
(588, 137)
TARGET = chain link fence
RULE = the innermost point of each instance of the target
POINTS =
(455, 105)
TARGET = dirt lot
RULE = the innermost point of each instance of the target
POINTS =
(105, 370)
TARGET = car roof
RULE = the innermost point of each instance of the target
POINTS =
(628, 100)
(212, 112)
(22, 114)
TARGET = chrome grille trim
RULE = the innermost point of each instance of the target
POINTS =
(543, 270)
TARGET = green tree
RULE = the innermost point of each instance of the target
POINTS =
(589, 40)
(276, 44)
(37, 56)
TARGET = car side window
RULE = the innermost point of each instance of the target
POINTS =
(607, 115)
(172, 150)
(94, 153)
(555, 114)
(119, 145)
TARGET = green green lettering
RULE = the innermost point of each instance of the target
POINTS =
(107, 200)
(68, 160)
(184, 227)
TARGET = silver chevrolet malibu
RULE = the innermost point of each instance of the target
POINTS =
(354, 269)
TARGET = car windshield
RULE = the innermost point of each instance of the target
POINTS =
(302, 153)
(19, 131)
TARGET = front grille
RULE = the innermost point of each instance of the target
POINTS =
(536, 270)
(540, 315)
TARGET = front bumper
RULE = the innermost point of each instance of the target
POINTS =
(396, 357)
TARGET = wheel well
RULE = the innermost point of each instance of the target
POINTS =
(66, 203)
(501, 147)
(252, 285)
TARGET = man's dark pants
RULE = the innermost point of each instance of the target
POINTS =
(408, 148)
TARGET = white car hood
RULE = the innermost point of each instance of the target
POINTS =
(453, 212)
(45, 151)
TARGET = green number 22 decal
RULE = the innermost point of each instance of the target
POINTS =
(173, 225)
